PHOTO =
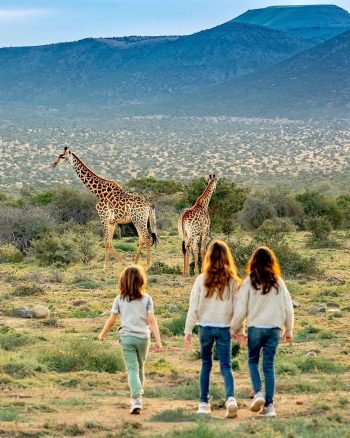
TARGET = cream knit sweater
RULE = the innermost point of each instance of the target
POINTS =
(210, 310)
(272, 309)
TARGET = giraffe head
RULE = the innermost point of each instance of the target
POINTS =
(213, 180)
(65, 157)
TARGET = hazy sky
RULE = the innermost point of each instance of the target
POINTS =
(32, 22)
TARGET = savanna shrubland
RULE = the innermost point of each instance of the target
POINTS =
(61, 227)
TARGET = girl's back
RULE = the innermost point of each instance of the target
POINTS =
(133, 315)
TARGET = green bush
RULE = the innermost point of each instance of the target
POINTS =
(256, 210)
(174, 326)
(81, 355)
(27, 290)
(18, 366)
(10, 254)
(11, 340)
(69, 204)
(125, 246)
(317, 204)
(311, 364)
(20, 226)
(162, 268)
(55, 249)
(320, 229)
(152, 187)
(60, 247)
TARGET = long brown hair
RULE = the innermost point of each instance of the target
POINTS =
(132, 282)
(264, 269)
(219, 268)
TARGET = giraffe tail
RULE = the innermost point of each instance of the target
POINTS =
(182, 233)
(153, 225)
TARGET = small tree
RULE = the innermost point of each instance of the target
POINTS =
(71, 204)
(320, 229)
(256, 210)
(20, 226)
(318, 205)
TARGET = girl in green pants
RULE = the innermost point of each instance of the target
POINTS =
(135, 310)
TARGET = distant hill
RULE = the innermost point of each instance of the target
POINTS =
(317, 22)
(136, 70)
(315, 83)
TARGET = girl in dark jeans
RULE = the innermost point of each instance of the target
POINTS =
(212, 304)
(265, 302)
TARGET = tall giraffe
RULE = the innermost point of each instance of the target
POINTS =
(115, 206)
(194, 224)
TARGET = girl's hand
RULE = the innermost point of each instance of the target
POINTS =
(101, 337)
(158, 347)
(287, 338)
(242, 339)
(188, 341)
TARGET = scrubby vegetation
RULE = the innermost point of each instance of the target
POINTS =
(60, 227)
(57, 380)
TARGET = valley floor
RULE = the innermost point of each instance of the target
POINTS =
(42, 397)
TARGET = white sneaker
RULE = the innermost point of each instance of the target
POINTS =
(268, 411)
(136, 406)
(231, 408)
(258, 402)
(203, 408)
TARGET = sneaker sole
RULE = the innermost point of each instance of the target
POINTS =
(268, 415)
(231, 411)
(256, 407)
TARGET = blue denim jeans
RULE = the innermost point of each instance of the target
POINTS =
(221, 336)
(265, 339)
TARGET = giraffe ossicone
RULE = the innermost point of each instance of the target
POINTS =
(115, 206)
(194, 227)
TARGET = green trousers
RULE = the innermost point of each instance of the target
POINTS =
(135, 352)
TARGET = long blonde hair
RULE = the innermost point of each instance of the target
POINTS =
(132, 282)
(219, 268)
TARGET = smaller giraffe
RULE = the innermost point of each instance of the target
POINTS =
(194, 226)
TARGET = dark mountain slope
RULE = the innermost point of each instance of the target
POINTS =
(320, 22)
(118, 71)
(315, 83)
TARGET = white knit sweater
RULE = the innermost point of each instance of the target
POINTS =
(272, 309)
(211, 310)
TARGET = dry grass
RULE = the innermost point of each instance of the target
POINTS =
(39, 401)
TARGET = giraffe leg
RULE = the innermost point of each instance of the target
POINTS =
(145, 240)
(111, 230)
(188, 247)
(195, 255)
(138, 252)
(204, 241)
(149, 244)
(107, 245)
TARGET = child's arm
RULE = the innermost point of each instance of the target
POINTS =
(153, 324)
(241, 309)
(289, 321)
(192, 315)
(107, 327)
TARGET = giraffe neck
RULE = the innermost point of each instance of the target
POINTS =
(205, 197)
(93, 182)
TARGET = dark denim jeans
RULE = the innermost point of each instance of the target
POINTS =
(221, 336)
(266, 339)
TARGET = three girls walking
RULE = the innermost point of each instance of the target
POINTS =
(219, 304)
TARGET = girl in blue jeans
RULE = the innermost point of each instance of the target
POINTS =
(212, 302)
(265, 302)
